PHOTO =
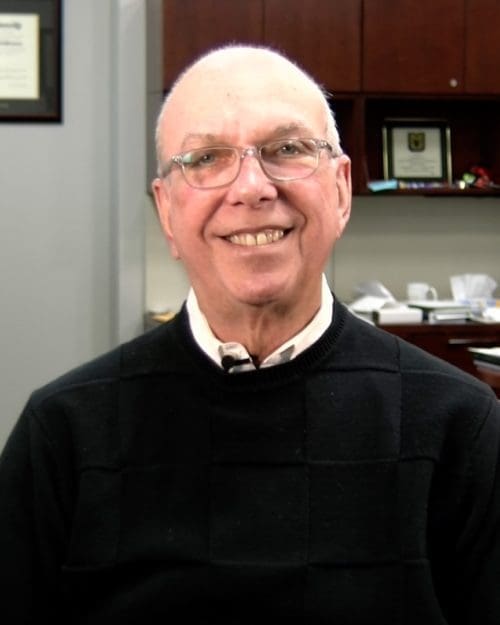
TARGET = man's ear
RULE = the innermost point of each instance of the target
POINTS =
(162, 198)
(344, 190)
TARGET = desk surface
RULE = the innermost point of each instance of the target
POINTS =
(446, 326)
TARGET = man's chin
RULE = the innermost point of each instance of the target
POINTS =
(261, 295)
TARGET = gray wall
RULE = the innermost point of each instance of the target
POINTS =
(72, 202)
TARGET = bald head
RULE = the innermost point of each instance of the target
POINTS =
(228, 79)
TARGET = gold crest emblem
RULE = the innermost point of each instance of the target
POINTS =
(416, 141)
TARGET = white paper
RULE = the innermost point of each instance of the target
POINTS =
(472, 286)
(19, 56)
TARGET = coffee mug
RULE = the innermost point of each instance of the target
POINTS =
(420, 291)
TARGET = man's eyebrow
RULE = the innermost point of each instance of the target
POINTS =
(199, 137)
(291, 128)
(203, 139)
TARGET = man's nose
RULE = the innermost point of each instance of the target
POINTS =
(249, 159)
(251, 186)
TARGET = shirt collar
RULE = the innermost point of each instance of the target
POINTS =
(216, 349)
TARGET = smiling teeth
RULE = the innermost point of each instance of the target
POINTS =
(261, 238)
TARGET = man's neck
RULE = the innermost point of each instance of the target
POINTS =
(263, 329)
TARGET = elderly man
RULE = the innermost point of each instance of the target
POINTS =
(265, 456)
(255, 200)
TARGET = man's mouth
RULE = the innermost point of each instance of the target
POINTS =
(250, 239)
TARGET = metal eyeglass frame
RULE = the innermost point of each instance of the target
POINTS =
(256, 151)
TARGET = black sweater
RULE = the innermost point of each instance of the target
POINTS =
(355, 484)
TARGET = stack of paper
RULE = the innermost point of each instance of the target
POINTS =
(442, 310)
(398, 314)
(385, 310)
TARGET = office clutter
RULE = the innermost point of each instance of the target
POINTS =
(477, 177)
(421, 291)
(473, 288)
(376, 303)
(472, 299)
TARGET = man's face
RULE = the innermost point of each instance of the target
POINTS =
(213, 231)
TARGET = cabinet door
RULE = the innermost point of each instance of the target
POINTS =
(413, 46)
(322, 36)
(192, 27)
(482, 60)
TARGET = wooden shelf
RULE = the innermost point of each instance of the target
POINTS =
(438, 192)
(474, 128)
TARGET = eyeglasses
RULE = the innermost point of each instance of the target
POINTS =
(219, 166)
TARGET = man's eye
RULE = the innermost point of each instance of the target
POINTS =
(202, 158)
(288, 149)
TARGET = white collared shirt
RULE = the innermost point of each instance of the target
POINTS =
(216, 349)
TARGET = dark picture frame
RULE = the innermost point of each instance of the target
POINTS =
(417, 150)
(30, 61)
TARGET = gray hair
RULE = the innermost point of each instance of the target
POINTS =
(331, 130)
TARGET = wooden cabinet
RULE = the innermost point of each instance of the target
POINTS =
(322, 36)
(192, 27)
(412, 46)
(482, 36)
(433, 59)
(380, 59)
(438, 47)
(450, 341)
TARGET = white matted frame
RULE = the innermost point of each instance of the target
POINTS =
(417, 150)
(30, 61)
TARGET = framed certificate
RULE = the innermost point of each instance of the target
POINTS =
(30, 60)
(417, 150)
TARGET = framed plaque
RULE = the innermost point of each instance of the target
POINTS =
(417, 150)
(30, 60)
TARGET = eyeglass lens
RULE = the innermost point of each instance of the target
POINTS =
(281, 160)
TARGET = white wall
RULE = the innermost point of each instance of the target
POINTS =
(404, 239)
(72, 202)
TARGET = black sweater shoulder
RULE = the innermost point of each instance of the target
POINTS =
(139, 356)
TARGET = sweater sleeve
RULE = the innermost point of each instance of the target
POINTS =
(33, 528)
(466, 545)
(480, 543)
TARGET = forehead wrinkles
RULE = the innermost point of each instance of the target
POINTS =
(214, 97)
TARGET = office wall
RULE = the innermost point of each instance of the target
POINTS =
(72, 203)
(417, 239)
